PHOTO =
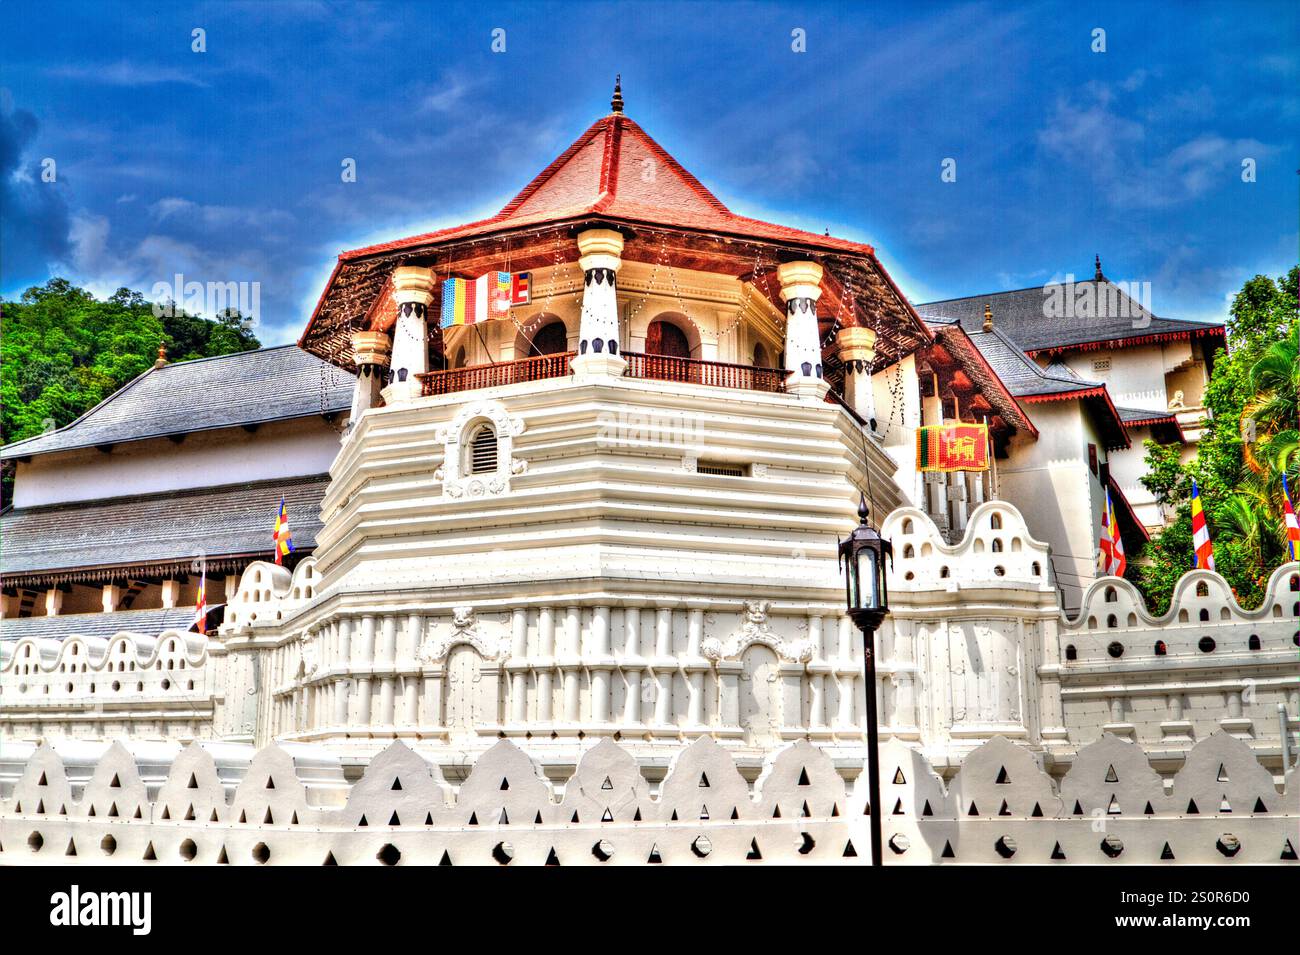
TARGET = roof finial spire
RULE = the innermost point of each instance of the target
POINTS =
(162, 355)
(988, 317)
(1098, 276)
(616, 104)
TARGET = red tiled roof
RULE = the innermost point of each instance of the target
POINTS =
(615, 169)
(1112, 425)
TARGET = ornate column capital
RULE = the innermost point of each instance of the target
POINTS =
(800, 280)
(412, 284)
(857, 348)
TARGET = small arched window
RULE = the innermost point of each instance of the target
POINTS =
(1253, 642)
(483, 450)
(1070, 652)
(665, 338)
(550, 339)
(1161, 649)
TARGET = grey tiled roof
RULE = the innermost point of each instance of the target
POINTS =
(1020, 373)
(1024, 318)
(147, 622)
(252, 387)
(1128, 415)
(233, 519)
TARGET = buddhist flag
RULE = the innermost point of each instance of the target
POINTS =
(952, 447)
(201, 605)
(1202, 549)
(283, 538)
(1105, 550)
(1292, 524)
(492, 295)
(1119, 563)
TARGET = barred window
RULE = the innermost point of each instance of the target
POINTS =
(483, 450)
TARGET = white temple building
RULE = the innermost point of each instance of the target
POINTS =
(595, 536)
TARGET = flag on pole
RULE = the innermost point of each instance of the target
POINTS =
(201, 605)
(283, 538)
(1105, 551)
(1119, 563)
(1292, 524)
(492, 295)
(1202, 549)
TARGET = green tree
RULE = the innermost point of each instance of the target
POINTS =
(1248, 443)
(62, 351)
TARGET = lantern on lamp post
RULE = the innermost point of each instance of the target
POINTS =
(862, 559)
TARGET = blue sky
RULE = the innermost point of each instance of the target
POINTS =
(225, 165)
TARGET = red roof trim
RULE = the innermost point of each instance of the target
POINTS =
(1156, 419)
(1085, 394)
(1210, 331)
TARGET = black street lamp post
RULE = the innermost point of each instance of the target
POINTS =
(862, 556)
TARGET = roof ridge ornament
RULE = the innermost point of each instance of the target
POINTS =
(616, 104)
(162, 355)
(1098, 277)
(988, 317)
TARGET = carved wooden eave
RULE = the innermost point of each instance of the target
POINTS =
(856, 289)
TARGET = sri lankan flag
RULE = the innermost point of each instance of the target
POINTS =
(952, 447)
(282, 537)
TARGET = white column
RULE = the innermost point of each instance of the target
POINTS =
(410, 701)
(599, 665)
(371, 352)
(858, 350)
(572, 653)
(632, 653)
(663, 674)
(546, 650)
(341, 685)
(695, 678)
(413, 293)
(171, 592)
(518, 650)
(801, 288)
(112, 597)
(598, 333)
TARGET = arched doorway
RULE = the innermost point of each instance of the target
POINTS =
(460, 697)
(760, 696)
(665, 338)
(551, 339)
(761, 357)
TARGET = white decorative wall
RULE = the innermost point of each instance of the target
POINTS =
(290, 804)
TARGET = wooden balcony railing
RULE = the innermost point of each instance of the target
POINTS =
(658, 367)
(719, 374)
(490, 376)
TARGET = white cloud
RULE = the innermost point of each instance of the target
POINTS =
(127, 73)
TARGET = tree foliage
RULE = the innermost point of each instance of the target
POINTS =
(62, 350)
(1249, 442)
